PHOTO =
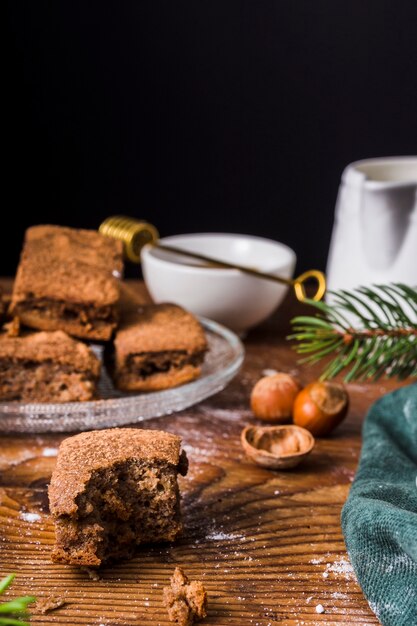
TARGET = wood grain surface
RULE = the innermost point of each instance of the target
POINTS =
(267, 544)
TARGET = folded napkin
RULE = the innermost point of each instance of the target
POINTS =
(379, 519)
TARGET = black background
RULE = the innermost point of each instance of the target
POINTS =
(201, 115)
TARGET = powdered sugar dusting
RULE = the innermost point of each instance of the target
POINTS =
(338, 595)
(226, 414)
(50, 452)
(29, 517)
(397, 562)
(195, 451)
(342, 568)
(220, 536)
(269, 372)
(385, 607)
(374, 608)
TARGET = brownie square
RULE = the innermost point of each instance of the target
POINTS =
(47, 367)
(112, 490)
(157, 347)
(67, 280)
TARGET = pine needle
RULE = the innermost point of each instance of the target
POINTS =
(12, 610)
(381, 342)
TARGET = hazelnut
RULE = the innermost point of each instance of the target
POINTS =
(320, 407)
(272, 397)
(277, 447)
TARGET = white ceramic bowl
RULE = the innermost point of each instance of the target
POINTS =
(228, 296)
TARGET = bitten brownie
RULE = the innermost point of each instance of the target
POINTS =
(157, 347)
(67, 280)
(47, 367)
(113, 490)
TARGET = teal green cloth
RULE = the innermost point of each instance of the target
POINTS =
(379, 519)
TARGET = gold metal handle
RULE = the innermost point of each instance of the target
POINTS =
(296, 283)
(135, 235)
(299, 289)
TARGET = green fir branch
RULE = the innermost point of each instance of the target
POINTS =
(382, 342)
(12, 611)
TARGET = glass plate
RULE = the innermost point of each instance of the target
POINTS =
(116, 408)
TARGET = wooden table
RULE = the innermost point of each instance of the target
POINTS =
(267, 544)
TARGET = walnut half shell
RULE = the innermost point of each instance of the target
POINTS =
(277, 447)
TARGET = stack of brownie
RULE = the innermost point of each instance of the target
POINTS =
(68, 286)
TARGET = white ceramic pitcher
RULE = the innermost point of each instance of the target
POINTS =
(374, 237)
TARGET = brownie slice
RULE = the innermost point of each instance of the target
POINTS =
(67, 280)
(113, 490)
(47, 367)
(156, 347)
(185, 601)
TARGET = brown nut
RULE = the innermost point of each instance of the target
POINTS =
(277, 447)
(320, 407)
(272, 398)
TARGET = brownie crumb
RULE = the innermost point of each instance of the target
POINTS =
(49, 603)
(91, 573)
(12, 328)
(185, 601)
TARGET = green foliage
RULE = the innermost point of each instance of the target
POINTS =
(382, 343)
(11, 611)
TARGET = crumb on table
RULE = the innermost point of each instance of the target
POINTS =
(185, 601)
(92, 573)
(49, 603)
